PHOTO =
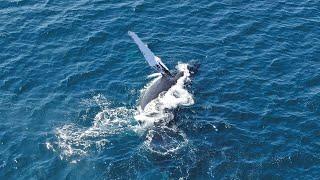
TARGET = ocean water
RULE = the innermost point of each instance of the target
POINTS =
(71, 79)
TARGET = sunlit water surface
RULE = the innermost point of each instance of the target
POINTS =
(71, 79)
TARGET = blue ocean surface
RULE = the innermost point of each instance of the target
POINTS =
(248, 106)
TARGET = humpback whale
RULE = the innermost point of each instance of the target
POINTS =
(164, 83)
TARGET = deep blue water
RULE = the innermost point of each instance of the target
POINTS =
(71, 78)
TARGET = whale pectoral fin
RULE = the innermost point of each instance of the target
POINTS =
(160, 67)
(154, 61)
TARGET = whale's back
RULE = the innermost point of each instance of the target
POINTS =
(161, 85)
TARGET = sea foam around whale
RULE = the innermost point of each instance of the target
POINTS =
(74, 141)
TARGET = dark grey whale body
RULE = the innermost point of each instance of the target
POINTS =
(164, 83)
(161, 85)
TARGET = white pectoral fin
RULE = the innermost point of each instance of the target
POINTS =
(154, 61)
(161, 67)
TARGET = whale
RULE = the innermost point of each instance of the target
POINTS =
(162, 84)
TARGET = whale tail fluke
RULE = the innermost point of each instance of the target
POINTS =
(154, 61)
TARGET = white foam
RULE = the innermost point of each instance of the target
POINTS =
(177, 95)
(154, 75)
(76, 141)
(160, 138)
(165, 140)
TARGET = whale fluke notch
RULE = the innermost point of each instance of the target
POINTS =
(153, 60)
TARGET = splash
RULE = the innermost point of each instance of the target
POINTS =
(159, 109)
(161, 138)
(75, 141)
